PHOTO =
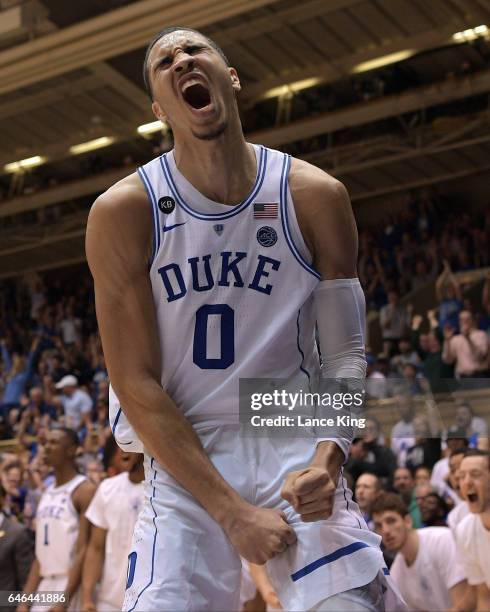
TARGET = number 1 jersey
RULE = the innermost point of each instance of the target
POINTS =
(57, 525)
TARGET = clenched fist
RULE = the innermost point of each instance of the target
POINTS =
(258, 534)
(310, 492)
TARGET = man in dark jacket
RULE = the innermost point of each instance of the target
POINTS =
(16, 551)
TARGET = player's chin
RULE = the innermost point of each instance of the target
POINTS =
(211, 131)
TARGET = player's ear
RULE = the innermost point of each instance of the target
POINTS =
(158, 112)
(235, 81)
(408, 521)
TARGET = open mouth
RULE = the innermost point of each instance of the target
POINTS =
(197, 95)
(472, 498)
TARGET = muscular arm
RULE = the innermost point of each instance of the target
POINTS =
(93, 566)
(81, 497)
(328, 227)
(118, 244)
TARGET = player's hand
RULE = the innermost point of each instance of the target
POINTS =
(258, 534)
(311, 493)
(270, 598)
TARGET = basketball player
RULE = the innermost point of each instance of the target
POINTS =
(61, 528)
(112, 514)
(211, 264)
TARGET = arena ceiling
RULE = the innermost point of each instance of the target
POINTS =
(70, 72)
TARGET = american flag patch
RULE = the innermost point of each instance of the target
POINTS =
(265, 211)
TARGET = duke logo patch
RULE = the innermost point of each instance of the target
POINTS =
(266, 236)
(218, 228)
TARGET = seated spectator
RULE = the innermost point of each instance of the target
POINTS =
(394, 320)
(405, 355)
(474, 427)
(468, 350)
(367, 488)
(455, 438)
(412, 379)
(38, 404)
(77, 404)
(426, 568)
(433, 509)
(427, 448)
(448, 294)
(369, 455)
(404, 485)
(473, 532)
(377, 377)
(402, 434)
(422, 476)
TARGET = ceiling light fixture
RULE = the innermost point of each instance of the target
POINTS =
(281, 90)
(470, 34)
(91, 145)
(25, 164)
(384, 60)
(151, 128)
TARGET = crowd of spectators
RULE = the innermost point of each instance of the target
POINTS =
(52, 372)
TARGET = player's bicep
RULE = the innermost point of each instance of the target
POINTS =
(335, 233)
(118, 235)
(326, 221)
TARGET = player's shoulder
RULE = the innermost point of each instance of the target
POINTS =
(125, 196)
(120, 221)
(308, 183)
(83, 493)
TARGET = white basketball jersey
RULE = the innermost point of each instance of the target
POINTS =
(57, 524)
(232, 289)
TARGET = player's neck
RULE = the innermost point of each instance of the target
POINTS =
(411, 547)
(64, 474)
(223, 170)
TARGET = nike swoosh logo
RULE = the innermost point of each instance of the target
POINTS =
(167, 228)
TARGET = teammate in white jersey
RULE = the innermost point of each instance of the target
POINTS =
(211, 264)
(61, 528)
(112, 514)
